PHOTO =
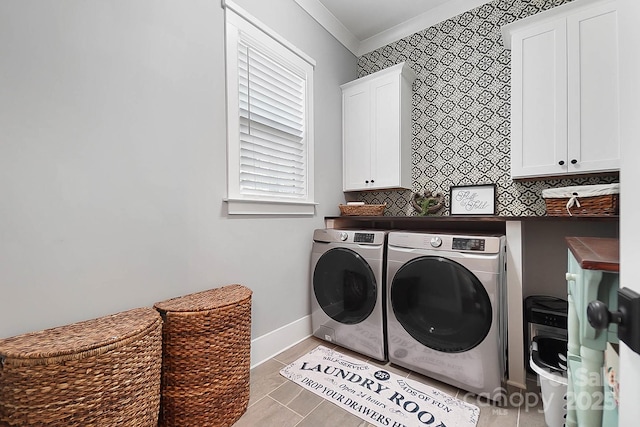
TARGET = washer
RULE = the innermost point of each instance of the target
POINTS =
(347, 289)
(447, 308)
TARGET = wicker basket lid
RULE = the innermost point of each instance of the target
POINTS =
(206, 300)
(98, 335)
(581, 191)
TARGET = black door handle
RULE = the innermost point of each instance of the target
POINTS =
(627, 317)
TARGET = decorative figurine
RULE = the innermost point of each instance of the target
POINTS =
(427, 203)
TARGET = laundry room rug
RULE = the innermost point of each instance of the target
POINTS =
(377, 396)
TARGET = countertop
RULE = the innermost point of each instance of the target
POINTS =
(492, 218)
(454, 222)
(596, 253)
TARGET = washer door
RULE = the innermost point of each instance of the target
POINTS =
(441, 304)
(344, 286)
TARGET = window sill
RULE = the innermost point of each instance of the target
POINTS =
(269, 207)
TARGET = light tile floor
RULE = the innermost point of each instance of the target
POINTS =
(276, 401)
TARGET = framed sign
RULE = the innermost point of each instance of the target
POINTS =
(473, 199)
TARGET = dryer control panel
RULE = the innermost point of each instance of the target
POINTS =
(477, 243)
(463, 244)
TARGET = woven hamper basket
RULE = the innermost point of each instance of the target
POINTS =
(206, 357)
(101, 372)
(584, 200)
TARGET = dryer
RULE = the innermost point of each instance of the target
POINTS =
(446, 308)
(347, 289)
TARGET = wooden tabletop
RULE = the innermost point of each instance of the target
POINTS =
(596, 253)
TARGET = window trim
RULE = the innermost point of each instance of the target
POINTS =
(236, 20)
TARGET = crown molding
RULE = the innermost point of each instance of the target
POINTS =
(330, 23)
(425, 20)
(359, 47)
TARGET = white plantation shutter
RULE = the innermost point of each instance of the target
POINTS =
(270, 127)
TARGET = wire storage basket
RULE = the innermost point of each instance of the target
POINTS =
(206, 353)
(584, 200)
(100, 372)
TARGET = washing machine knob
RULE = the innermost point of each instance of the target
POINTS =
(436, 242)
(343, 236)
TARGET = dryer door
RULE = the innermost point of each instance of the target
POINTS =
(441, 304)
(344, 286)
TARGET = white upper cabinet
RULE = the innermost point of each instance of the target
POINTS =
(564, 90)
(376, 134)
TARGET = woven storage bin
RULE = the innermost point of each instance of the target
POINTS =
(101, 372)
(584, 200)
(362, 210)
(206, 357)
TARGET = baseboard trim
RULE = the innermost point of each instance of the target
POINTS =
(517, 384)
(268, 345)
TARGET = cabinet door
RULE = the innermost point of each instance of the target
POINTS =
(356, 128)
(385, 132)
(592, 39)
(539, 101)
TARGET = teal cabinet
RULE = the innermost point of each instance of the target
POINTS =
(592, 275)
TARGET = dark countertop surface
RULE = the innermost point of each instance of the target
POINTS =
(474, 218)
(596, 253)
(451, 222)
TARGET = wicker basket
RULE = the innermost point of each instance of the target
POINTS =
(362, 210)
(206, 353)
(587, 200)
(101, 372)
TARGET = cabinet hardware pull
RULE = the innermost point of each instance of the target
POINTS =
(561, 162)
(627, 317)
(574, 161)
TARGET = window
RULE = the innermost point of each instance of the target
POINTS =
(269, 120)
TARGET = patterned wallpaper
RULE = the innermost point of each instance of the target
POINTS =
(461, 110)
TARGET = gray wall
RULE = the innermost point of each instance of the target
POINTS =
(113, 161)
(545, 252)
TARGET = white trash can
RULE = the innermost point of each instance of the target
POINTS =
(549, 361)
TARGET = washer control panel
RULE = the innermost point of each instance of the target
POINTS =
(364, 237)
(356, 237)
(464, 244)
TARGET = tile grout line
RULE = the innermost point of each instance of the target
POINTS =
(254, 403)
(280, 361)
(316, 407)
(286, 407)
(281, 385)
